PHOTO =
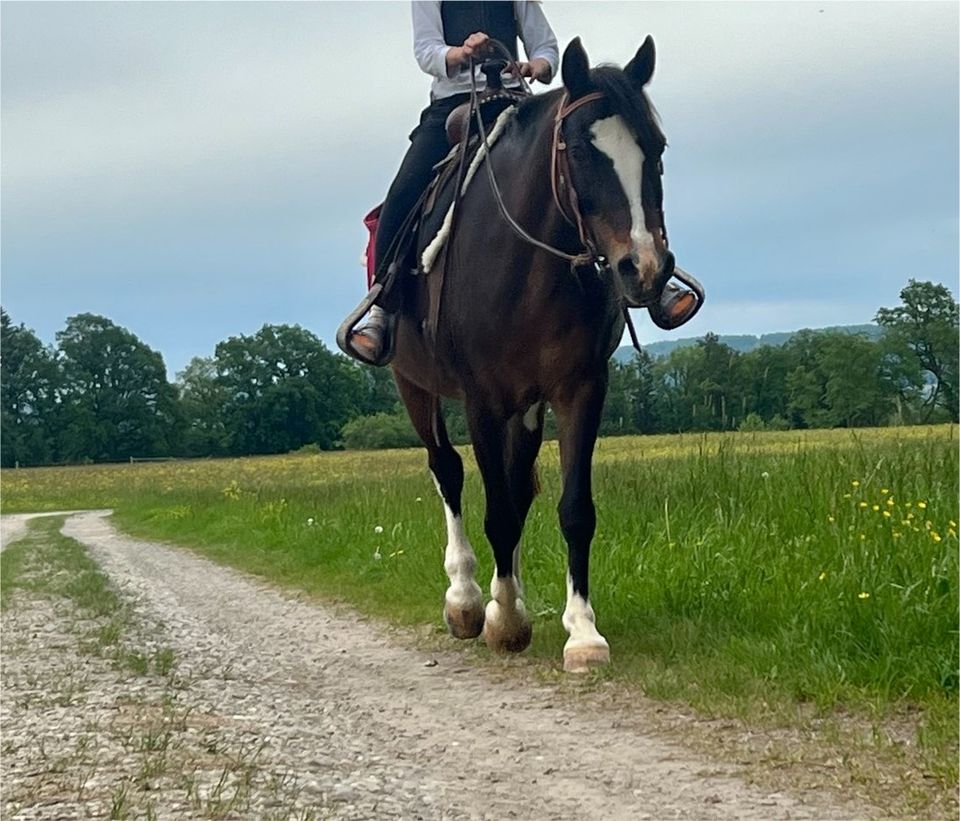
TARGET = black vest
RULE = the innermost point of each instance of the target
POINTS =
(496, 18)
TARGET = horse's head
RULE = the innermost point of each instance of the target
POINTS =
(614, 148)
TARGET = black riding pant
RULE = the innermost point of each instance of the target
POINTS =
(428, 145)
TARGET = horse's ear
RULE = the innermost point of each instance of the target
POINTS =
(575, 69)
(640, 68)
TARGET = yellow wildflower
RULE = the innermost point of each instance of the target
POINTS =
(863, 595)
(884, 491)
(875, 508)
(822, 576)
(887, 514)
(830, 519)
(935, 536)
(952, 532)
(855, 483)
(922, 505)
(863, 537)
(896, 534)
(846, 495)
(890, 502)
(863, 504)
(952, 523)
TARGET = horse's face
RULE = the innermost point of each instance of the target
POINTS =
(614, 150)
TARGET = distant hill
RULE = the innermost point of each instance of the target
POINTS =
(740, 342)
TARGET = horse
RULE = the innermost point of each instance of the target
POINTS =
(519, 326)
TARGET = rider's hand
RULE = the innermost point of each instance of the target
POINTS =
(476, 45)
(536, 69)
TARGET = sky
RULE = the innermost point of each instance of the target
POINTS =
(193, 171)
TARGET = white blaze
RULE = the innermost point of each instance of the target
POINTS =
(612, 136)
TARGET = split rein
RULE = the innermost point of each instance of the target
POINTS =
(560, 181)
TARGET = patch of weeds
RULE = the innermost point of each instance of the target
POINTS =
(164, 660)
(120, 802)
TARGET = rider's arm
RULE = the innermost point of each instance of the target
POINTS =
(539, 41)
(433, 55)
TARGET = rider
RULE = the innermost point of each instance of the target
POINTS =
(437, 27)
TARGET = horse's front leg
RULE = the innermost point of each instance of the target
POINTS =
(506, 627)
(578, 420)
(463, 601)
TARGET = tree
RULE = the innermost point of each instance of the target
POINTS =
(283, 389)
(927, 324)
(28, 382)
(116, 401)
(202, 403)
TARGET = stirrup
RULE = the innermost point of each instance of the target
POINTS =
(663, 321)
(347, 327)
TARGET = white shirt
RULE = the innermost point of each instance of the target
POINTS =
(431, 51)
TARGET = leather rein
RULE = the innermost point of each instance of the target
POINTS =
(561, 183)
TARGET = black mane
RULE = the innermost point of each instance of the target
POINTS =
(624, 99)
(629, 103)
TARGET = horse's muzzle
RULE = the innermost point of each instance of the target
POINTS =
(639, 291)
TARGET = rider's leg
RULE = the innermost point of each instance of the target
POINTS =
(428, 145)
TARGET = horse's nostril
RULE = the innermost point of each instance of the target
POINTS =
(627, 267)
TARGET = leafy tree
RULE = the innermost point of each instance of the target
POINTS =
(28, 383)
(202, 402)
(283, 389)
(926, 324)
(116, 401)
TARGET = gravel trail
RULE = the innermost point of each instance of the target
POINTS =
(370, 729)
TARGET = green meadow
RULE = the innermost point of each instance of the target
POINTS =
(748, 575)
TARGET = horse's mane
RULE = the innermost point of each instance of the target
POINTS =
(624, 100)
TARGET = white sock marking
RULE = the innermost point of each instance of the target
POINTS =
(612, 136)
(459, 561)
(579, 621)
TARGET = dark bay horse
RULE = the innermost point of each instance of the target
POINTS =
(519, 326)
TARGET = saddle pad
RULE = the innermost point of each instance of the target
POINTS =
(433, 238)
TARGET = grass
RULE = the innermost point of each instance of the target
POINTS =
(751, 575)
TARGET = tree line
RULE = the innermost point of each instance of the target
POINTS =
(101, 394)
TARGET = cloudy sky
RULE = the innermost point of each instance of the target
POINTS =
(195, 170)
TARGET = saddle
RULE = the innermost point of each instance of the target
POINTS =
(427, 216)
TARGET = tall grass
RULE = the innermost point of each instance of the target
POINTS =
(730, 571)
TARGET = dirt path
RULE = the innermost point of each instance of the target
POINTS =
(370, 729)
(14, 525)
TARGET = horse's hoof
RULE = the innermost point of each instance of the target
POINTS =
(507, 632)
(464, 622)
(585, 657)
